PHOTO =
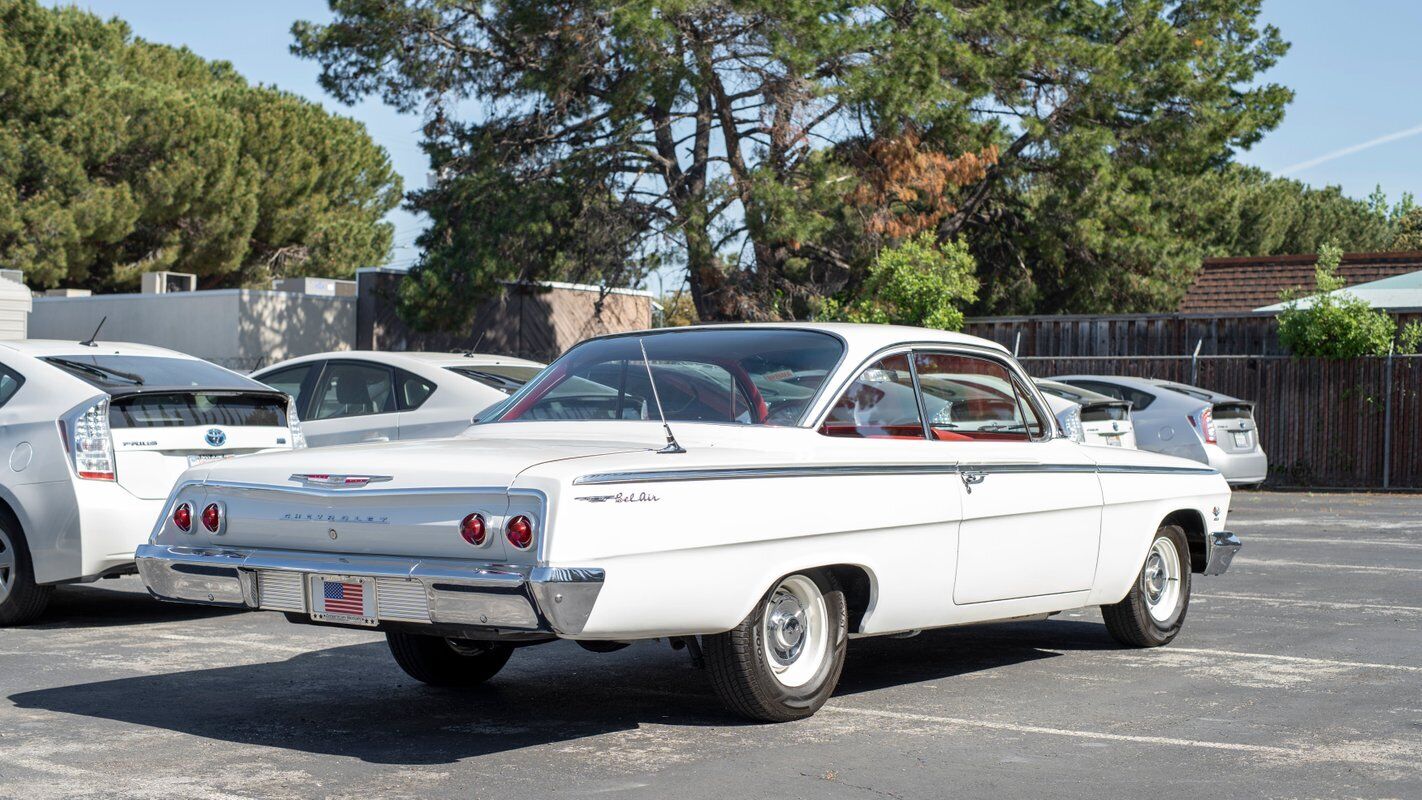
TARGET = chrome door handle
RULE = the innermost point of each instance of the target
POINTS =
(971, 479)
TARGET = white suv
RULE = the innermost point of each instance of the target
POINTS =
(92, 438)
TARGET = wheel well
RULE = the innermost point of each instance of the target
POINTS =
(7, 514)
(858, 590)
(1193, 523)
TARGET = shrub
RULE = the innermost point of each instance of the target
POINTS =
(1336, 324)
(920, 282)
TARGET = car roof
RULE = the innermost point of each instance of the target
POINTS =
(40, 348)
(860, 337)
(1085, 394)
(1141, 384)
(408, 359)
(1214, 397)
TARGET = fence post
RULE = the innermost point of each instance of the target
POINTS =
(1387, 422)
(1016, 343)
(1195, 364)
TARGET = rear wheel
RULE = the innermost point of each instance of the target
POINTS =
(21, 599)
(438, 661)
(1153, 612)
(784, 660)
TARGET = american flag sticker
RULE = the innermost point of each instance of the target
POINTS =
(344, 598)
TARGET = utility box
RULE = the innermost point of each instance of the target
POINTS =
(316, 287)
(15, 305)
(168, 282)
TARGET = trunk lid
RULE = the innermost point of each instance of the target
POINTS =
(158, 434)
(399, 499)
(1235, 428)
(1108, 422)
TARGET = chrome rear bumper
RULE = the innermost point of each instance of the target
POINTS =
(442, 592)
(1223, 546)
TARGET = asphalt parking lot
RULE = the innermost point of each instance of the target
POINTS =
(1299, 674)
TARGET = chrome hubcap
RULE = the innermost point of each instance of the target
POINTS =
(1160, 580)
(796, 631)
(8, 566)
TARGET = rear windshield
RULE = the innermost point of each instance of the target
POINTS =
(1139, 400)
(507, 379)
(178, 409)
(1233, 411)
(111, 372)
(1105, 412)
(745, 376)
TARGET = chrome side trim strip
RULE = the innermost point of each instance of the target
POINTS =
(1153, 470)
(742, 473)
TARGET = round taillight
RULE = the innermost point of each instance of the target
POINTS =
(520, 532)
(183, 517)
(472, 529)
(212, 517)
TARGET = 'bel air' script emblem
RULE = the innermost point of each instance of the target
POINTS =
(621, 497)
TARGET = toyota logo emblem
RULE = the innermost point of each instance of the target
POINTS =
(216, 437)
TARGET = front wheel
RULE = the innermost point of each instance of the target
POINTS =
(438, 661)
(1154, 610)
(21, 599)
(784, 660)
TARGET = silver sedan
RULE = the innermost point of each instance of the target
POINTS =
(1190, 422)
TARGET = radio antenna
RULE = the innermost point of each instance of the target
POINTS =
(89, 342)
(672, 446)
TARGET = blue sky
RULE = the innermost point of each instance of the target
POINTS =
(1354, 67)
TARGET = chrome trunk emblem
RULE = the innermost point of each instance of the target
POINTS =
(339, 481)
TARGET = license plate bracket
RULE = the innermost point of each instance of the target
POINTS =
(346, 599)
(1241, 438)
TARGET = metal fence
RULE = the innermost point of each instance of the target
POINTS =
(1338, 424)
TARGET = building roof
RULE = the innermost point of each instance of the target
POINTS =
(1393, 294)
(1244, 284)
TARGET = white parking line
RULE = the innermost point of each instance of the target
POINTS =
(1097, 735)
(1290, 601)
(1312, 540)
(1321, 662)
(1271, 562)
(1243, 523)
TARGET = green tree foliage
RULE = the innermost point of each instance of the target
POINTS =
(1334, 325)
(1238, 211)
(118, 156)
(1408, 231)
(763, 144)
(1409, 338)
(920, 282)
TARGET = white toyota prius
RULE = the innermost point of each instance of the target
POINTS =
(92, 437)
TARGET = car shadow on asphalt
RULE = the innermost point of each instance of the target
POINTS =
(98, 606)
(352, 701)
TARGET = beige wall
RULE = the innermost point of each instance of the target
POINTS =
(239, 328)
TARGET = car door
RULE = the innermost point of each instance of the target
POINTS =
(1031, 502)
(352, 401)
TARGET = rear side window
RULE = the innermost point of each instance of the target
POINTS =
(180, 409)
(1139, 400)
(880, 404)
(294, 381)
(354, 389)
(414, 390)
(10, 382)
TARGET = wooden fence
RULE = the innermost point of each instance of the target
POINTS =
(1338, 424)
(1248, 334)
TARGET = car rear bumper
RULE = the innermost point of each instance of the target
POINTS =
(1223, 547)
(433, 592)
(1239, 468)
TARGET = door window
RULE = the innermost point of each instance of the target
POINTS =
(294, 381)
(879, 404)
(974, 399)
(352, 389)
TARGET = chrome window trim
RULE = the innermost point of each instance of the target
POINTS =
(857, 470)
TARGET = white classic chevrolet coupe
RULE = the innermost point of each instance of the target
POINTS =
(757, 494)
